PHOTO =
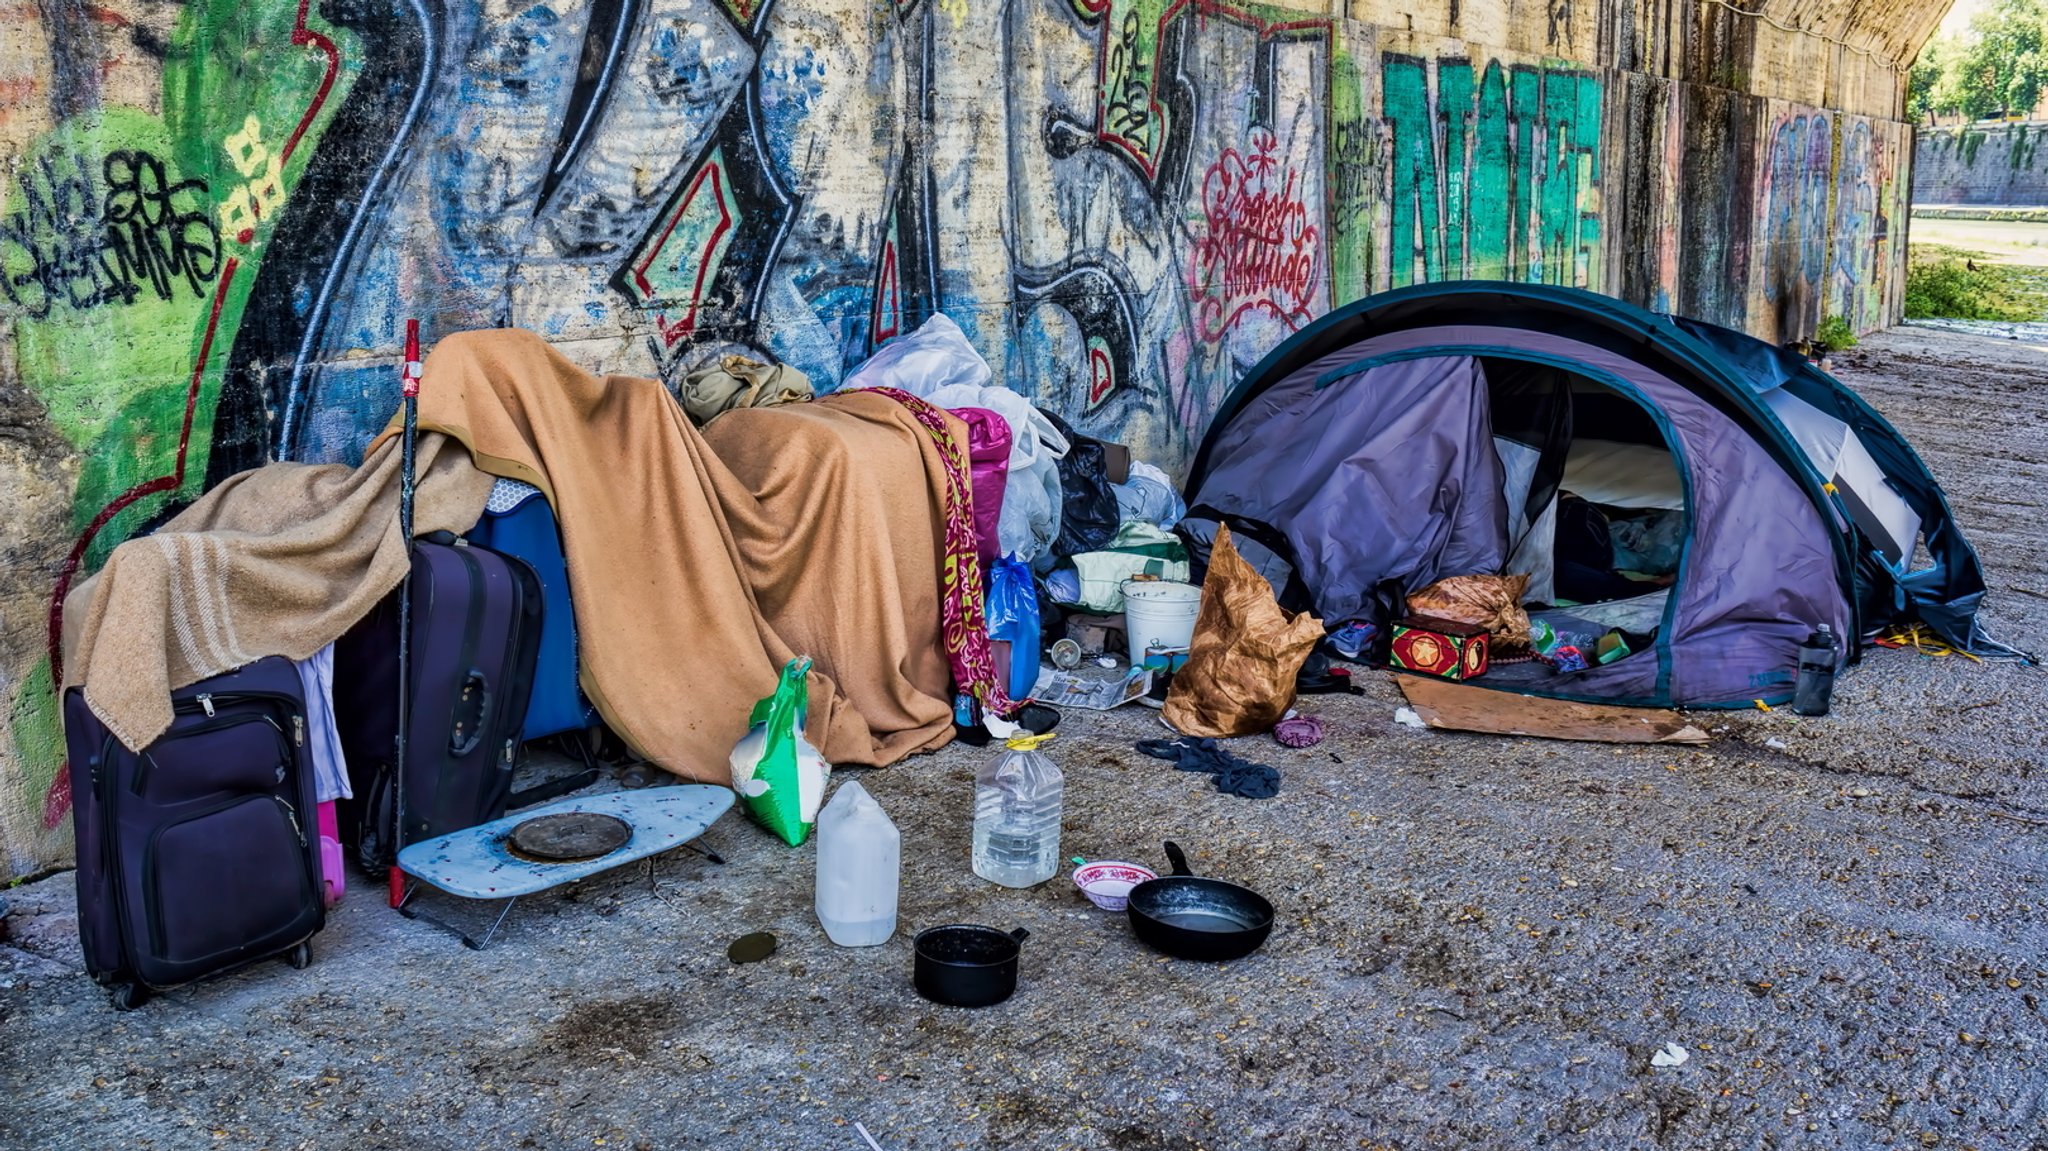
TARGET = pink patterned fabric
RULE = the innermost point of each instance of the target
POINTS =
(962, 591)
(988, 457)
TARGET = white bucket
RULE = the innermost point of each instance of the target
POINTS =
(1159, 613)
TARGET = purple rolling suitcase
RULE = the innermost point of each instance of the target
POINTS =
(476, 617)
(196, 854)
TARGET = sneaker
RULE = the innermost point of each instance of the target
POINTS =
(1352, 637)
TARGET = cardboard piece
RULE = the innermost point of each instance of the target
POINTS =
(1463, 707)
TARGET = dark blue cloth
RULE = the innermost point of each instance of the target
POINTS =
(1234, 776)
(528, 532)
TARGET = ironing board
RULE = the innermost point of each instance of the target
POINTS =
(475, 863)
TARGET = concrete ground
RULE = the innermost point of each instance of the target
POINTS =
(1482, 941)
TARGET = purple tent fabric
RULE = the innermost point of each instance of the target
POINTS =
(1390, 475)
(1390, 471)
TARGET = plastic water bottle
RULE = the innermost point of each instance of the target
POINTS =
(1816, 682)
(1017, 815)
(860, 859)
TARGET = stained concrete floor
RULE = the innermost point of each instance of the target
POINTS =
(1482, 942)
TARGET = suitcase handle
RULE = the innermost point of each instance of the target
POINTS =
(472, 714)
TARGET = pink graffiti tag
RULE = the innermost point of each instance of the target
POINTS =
(1258, 250)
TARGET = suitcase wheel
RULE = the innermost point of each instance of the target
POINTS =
(128, 996)
(300, 957)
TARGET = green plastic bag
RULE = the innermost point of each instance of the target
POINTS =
(779, 776)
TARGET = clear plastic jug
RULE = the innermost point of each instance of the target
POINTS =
(860, 858)
(1017, 815)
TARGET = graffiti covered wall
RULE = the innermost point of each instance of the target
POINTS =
(215, 215)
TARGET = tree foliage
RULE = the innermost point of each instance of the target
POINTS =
(1998, 67)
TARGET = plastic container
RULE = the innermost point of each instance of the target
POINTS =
(1017, 815)
(860, 860)
(333, 879)
(1816, 682)
(1159, 613)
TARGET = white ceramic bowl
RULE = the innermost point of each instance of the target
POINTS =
(1108, 884)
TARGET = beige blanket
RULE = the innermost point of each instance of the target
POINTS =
(701, 563)
(814, 529)
(276, 561)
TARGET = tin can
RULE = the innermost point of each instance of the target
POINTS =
(1066, 654)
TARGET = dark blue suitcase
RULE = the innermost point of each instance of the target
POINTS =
(196, 854)
(523, 526)
(475, 636)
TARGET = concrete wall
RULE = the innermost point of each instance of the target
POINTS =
(1995, 164)
(216, 215)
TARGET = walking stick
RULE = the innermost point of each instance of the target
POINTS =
(409, 445)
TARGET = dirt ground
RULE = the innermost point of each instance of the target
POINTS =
(1482, 941)
(1998, 241)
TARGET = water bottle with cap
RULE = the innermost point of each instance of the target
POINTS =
(1817, 658)
(1017, 815)
(860, 857)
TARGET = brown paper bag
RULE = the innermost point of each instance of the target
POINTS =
(1239, 678)
(1493, 602)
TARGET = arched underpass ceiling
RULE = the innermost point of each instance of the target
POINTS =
(1894, 29)
(1849, 55)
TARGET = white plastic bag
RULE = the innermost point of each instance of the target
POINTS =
(932, 357)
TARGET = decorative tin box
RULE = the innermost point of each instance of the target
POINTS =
(1439, 647)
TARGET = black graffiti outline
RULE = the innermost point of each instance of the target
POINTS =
(149, 233)
(1096, 291)
(913, 216)
(612, 26)
(280, 272)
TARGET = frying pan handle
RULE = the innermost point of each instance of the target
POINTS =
(1179, 860)
(1020, 935)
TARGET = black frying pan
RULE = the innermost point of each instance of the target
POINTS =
(1190, 917)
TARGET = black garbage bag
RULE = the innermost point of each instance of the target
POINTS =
(1088, 511)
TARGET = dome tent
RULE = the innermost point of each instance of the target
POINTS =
(1466, 427)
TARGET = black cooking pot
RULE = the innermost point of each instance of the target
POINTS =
(966, 965)
(1189, 917)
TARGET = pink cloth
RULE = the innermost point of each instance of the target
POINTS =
(1299, 731)
(988, 459)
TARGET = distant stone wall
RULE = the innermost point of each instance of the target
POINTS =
(1973, 165)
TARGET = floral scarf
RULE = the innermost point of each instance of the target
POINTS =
(961, 590)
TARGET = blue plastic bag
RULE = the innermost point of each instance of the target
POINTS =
(1013, 616)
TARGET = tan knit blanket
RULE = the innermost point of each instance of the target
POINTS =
(700, 563)
(276, 561)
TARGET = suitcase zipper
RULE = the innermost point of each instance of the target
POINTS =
(291, 817)
(210, 701)
(110, 869)
(146, 762)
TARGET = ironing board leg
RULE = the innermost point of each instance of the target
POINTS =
(479, 945)
(691, 845)
(467, 940)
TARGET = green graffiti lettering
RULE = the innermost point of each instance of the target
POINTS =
(1494, 180)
